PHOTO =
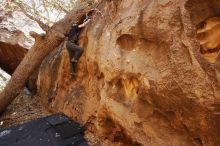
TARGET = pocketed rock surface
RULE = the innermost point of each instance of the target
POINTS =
(141, 79)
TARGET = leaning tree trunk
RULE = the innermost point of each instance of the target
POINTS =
(42, 47)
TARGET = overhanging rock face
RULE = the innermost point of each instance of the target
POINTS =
(11, 56)
(142, 79)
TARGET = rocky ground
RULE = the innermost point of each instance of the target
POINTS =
(24, 108)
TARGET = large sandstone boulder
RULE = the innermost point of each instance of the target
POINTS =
(12, 49)
(15, 42)
(14, 38)
(142, 79)
(13, 46)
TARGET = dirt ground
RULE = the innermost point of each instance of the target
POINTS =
(23, 109)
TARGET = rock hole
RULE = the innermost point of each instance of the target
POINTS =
(204, 15)
(130, 86)
(124, 90)
(114, 132)
(198, 142)
(170, 115)
(208, 34)
(100, 76)
(116, 91)
(126, 42)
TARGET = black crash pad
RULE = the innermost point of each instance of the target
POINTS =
(54, 130)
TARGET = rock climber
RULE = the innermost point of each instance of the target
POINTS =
(74, 50)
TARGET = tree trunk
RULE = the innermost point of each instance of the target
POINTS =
(42, 47)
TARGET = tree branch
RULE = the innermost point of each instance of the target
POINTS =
(45, 27)
(45, 8)
(37, 36)
(73, 16)
(61, 7)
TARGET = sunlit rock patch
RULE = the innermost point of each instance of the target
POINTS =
(4, 78)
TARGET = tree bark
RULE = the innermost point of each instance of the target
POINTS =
(42, 47)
